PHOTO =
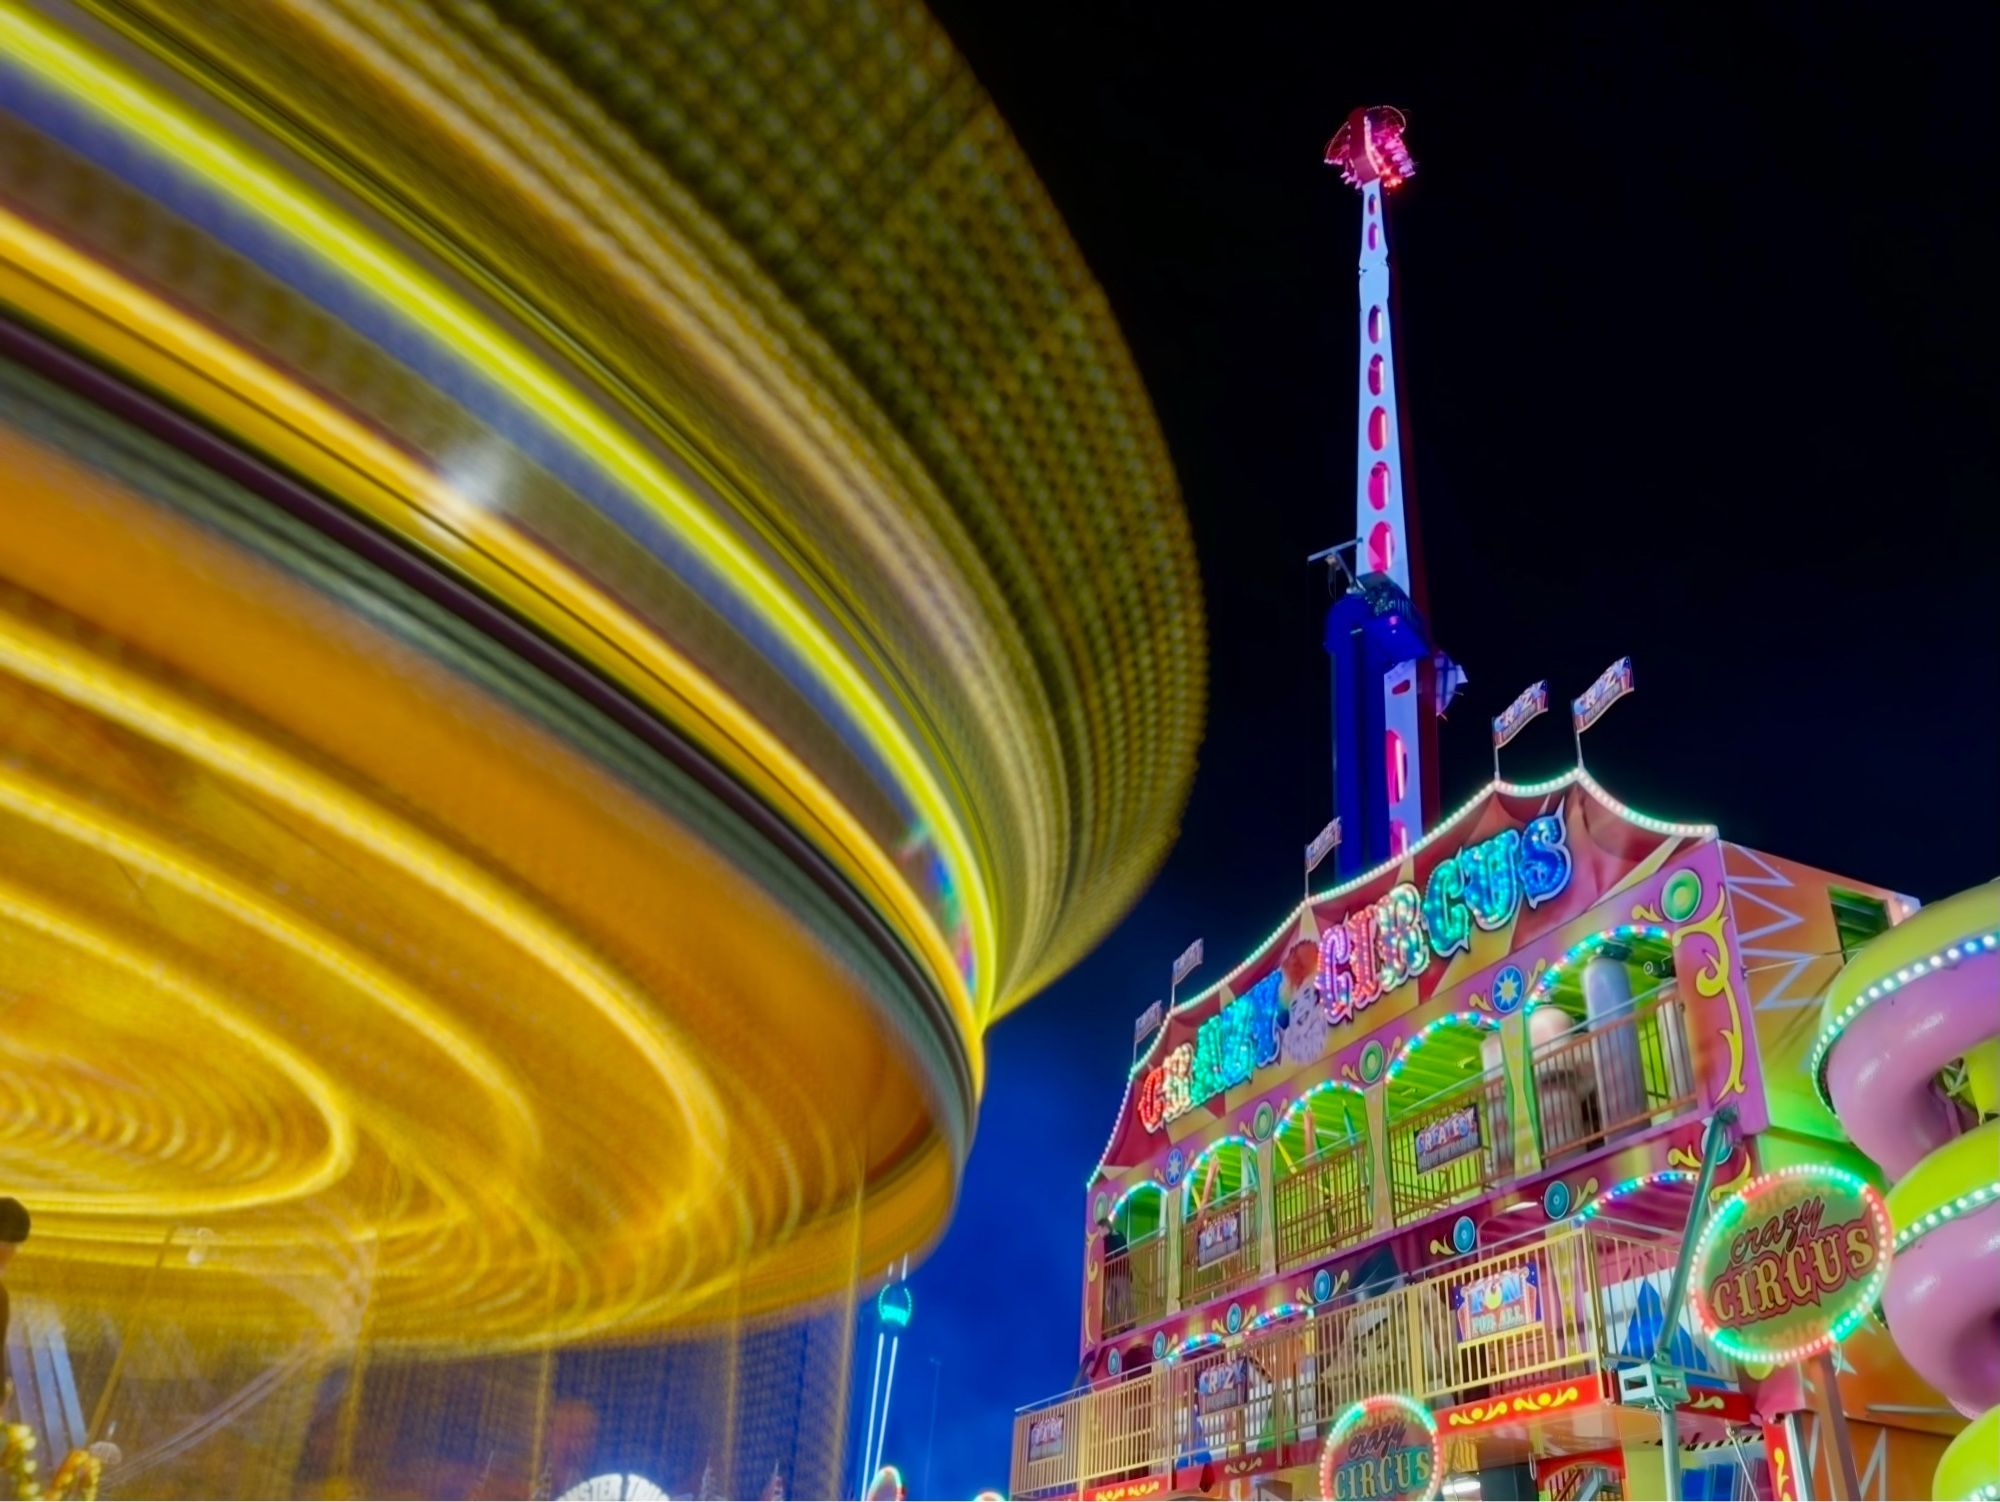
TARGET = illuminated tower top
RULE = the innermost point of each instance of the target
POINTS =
(1369, 148)
(1387, 681)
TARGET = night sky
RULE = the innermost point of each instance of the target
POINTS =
(1690, 355)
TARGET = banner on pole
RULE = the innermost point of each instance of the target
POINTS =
(1612, 685)
(1507, 724)
(1322, 845)
(1148, 1020)
(1190, 957)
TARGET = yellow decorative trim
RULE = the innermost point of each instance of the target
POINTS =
(1545, 1401)
(1714, 979)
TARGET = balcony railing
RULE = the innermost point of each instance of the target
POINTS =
(1324, 1203)
(1573, 1303)
(1219, 1248)
(1135, 1285)
(1610, 1076)
(1453, 1147)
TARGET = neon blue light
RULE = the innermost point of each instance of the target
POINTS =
(1131, 1189)
(1417, 1039)
(1583, 949)
(895, 1312)
(1320, 1089)
(1545, 859)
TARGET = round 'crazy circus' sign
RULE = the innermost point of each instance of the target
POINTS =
(1791, 1263)
(1382, 1448)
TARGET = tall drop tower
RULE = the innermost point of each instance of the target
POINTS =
(1389, 681)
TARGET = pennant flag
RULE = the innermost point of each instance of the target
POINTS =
(1507, 724)
(1612, 685)
(1148, 1020)
(1190, 957)
(1322, 845)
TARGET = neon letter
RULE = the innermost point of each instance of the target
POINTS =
(1444, 909)
(1492, 889)
(1545, 863)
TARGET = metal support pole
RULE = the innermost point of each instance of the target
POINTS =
(1715, 1147)
(1842, 1461)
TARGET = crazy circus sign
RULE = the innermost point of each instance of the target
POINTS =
(1366, 956)
(1381, 1448)
(1791, 1263)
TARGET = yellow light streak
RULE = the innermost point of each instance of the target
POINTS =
(27, 911)
(71, 292)
(163, 125)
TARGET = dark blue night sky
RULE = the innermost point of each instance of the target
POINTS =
(1670, 342)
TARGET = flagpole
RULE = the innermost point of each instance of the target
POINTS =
(1613, 684)
(1530, 702)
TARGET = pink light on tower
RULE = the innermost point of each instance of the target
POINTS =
(1369, 148)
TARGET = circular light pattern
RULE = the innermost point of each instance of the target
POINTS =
(1510, 988)
(1276, 1314)
(1624, 1188)
(1584, 948)
(1322, 1285)
(1681, 895)
(1830, 1323)
(1384, 1409)
(1373, 1058)
(303, 1018)
(1160, 1345)
(1196, 1343)
(1556, 1200)
(1464, 1234)
(894, 1305)
(642, 717)
(1261, 1124)
(1475, 1020)
(1233, 1320)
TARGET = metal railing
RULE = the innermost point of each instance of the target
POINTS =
(1219, 1248)
(1453, 1147)
(1573, 1302)
(1324, 1203)
(1606, 1077)
(1135, 1285)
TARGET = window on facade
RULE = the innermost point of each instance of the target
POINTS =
(1858, 918)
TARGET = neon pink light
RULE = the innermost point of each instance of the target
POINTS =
(1378, 485)
(1381, 548)
(1374, 375)
(1374, 325)
(1396, 758)
(1378, 429)
(1399, 837)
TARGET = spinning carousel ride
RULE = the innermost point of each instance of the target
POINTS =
(587, 594)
